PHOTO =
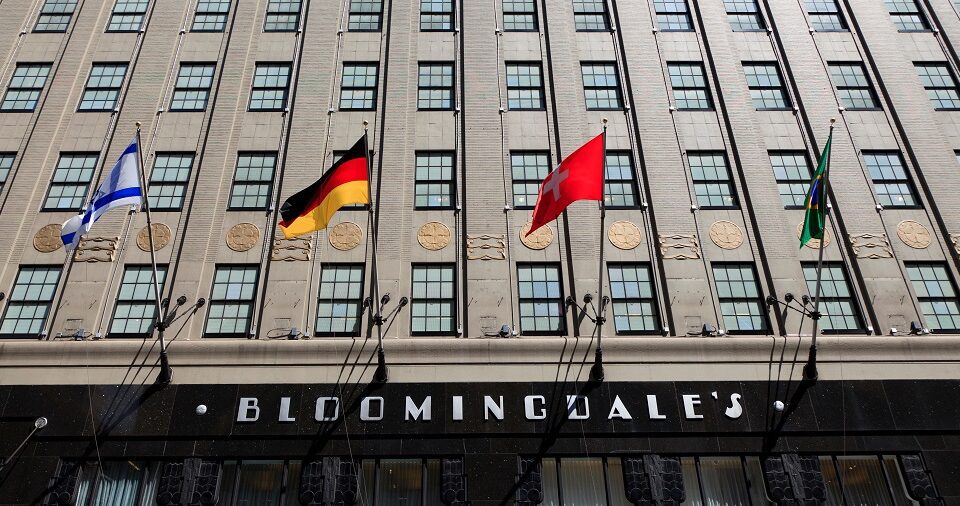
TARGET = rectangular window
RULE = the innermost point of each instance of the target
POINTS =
(528, 169)
(634, 307)
(937, 295)
(673, 15)
(365, 15)
(620, 183)
(435, 87)
(211, 16)
(6, 163)
(136, 310)
(792, 172)
(103, 87)
(282, 16)
(690, 91)
(25, 87)
(601, 86)
(519, 15)
(590, 15)
(30, 301)
(168, 181)
(231, 300)
(853, 86)
(71, 178)
(837, 305)
(340, 302)
(711, 180)
(434, 180)
(907, 16)
(941, 87)
(524, 86)
(253, 182)
(766, 86)
(127, 15)
(739, 295)
(433, 304)
(192, 89)
(55, 15)
(890, 180)
(436, 15)
(541, 299)
(825, 16)
(271, 82)
(744, 15)
(358, 87)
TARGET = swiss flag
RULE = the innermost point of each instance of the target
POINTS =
(579, 177)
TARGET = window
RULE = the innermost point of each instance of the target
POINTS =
(590, 15)
(270, 84)
(906, 15)
(253, 182)
(793, 177)
(231, 300)
(432, 306)
(211, 16)
(766, 87)
(434, 180)
(6, 163)
(436, 15)
(690, 92)
(528, 169)
(136, 310)
(837, 306)
(25, 87)
(519, 15)
(620, 183)
(890, 180)
(634, 308)
(740, 302)
(168, 182)
(711, 180)
(825, 16)
(55, 15)
(524, 86)
(744, 15)
(541, 299)
(103, 87)
(853, 86)
(601, 86)
(282, 16)
(365, 15)
(936, 294)
(193, 87)
(941, 87)
(673, 15)
(435, 86)
(358, 87)
(341, 297)
(71, 178)
(30, 301)
(127, 15)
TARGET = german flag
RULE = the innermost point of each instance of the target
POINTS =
(347, 182)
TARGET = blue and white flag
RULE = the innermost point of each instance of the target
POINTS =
(121, 188)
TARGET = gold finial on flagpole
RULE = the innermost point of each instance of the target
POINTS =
(365, 123)
(833, 120)
(138, 124)
(604, 121)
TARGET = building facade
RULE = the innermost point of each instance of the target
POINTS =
(716, 114)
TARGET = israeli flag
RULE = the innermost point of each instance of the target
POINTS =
(121, 188)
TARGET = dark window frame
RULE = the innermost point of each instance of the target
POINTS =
(436, 300)
(119, 89)
(782, 88)
(452, 182)
(219, 14)
(155, 183)
(607, 181)
(55, 14)
(12, 301)
(533, 15)
(756, 13)
(5, 171)
(451, 89)
(560, 301)
(896, 17)
(252, 302)
(921, 299)
(869, 86)
(285, 89)
(955, 88)
(707, 93)
(39, 91)
(114, 12)
(525, 181)
(663, 16)
(50, 186)
(578, 17)
(907, 178)
(341, 300)
(162, 272)
(618, 88)
(759, 300)
(351, 13)
(540, 89)
(270, 184)
(804, 181)
(374, 88)
(729, 181)
(297, 17)
(652, 300)
(852, 299)
(815, 16)
(176, 88)
(449, 15)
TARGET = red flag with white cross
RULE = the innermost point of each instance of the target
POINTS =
(579, 177)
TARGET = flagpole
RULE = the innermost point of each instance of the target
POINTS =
(380, 376)
(596, 372)
(810, 369)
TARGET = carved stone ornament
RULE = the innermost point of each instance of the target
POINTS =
(97, 249)
(243, 236)
(161, 237)
(814, 243)
(679, 247)
(624, 234)
(433, 236)
(345, 236)
(537, 240)
(871, 246)
(726, 234)
(48, 239)
(486, 247)
(913, 234)
(291, 250)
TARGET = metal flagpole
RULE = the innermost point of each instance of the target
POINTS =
(810, 369)
(596, 372)
(380, 376)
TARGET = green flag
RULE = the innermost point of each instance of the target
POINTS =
(816, 203)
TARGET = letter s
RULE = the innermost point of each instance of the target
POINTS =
(735, 409)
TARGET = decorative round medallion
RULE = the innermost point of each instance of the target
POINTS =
(726, 234)
(243, 236)
(48, 239)
(537, 240)
(161, 237)
(345, 236)
(433, 236)
(624, 234)
(814, 243)
(913, 234)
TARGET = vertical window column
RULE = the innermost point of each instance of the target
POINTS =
(433, 187)
(528, 170)
(282, 16)
(358, 87)
(25, 87)
(55, 15)
(590, 15)
(741, 304)
(231, 301)
(192, 89)
(601, 86)
(541, 299)
(30, 301)
(433, 304)
(211, 16)
(340, 300)
(271, 83)
(634, 305)
(940, 84)
(71, 179)
(673, 15)
(103, 87)
(519, 15)
(690, 90)
(135, 311)
(744, 15)
(127, 15)
(837, 305)
(365, 15)
(253, 182)
(937, 295)
(168, 181)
